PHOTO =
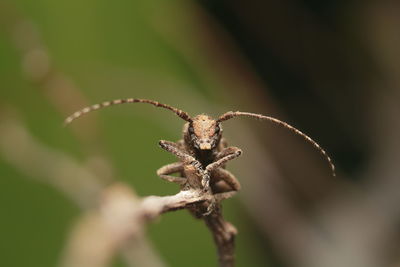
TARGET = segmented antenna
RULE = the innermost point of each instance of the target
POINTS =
(86, 110)
(231, 114)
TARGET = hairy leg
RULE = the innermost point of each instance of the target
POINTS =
(177, 151)
(226, 151)
(175, 167)
(224, 181)
(187, 159)
(226, 155)
(223, 157)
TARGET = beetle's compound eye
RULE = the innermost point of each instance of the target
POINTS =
(191, 130)
(217, 129)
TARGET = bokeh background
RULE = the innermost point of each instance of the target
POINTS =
(330, 68)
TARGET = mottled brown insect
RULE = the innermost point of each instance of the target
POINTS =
(202, 146)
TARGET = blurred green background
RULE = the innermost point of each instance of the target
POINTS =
(330, 68)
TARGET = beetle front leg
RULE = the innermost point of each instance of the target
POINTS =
(187, 159)
(174, 149)
(226, 151)
(223, 157)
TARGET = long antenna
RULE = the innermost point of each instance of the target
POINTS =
(185, 116)
(231, 114)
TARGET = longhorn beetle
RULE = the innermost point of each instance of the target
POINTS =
(202, 145)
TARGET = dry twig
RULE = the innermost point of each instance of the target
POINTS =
(121, 217)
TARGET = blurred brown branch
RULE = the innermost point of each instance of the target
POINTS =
(121, 217)
(80, 184)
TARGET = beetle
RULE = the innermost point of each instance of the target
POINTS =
(202, 145)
